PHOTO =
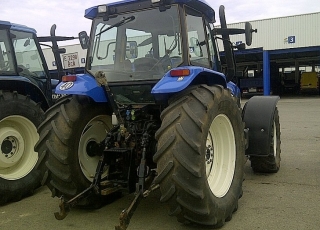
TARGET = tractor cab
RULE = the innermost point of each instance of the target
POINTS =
(20, 58)
(144, 40)
(138, 42)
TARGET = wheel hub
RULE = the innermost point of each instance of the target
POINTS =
(88, 151)
(92, 148)
(9, 146)
(209, 154)
(12, 147)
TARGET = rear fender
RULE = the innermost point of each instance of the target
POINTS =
(168, 84)
(235, 91)
(84, 85)
(258, 115)
(25, 87)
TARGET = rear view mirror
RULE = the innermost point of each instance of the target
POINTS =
(132, 50)
(248, 32)
(84, 39)
(194, 47)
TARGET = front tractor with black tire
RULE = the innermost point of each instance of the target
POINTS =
(261, 117)
(156, 111)
(20, 168)
(25, 93)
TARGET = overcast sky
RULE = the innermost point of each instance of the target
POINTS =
(68, 15)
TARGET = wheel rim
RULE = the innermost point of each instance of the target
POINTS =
(18, 136)
(220, 155)
(95, 131)
(274, 139)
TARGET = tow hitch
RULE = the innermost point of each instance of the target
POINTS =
(107, 187)
(126, 214)
(144, 181)
(97, 186)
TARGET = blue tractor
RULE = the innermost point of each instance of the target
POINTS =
(25, 93)
(155, 109)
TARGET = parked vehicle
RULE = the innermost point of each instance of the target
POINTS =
(25, 94)
(251, 86)
(155, 110)
(289, 82)
(309, 82)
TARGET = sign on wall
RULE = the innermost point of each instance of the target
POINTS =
(290, 39)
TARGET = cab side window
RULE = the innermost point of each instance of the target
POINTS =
(197, 38)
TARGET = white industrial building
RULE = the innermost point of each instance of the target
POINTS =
(280, 44)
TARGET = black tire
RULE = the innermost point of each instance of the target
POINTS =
(271, 163)
(20, 173)
(184, 153)
(70, 125)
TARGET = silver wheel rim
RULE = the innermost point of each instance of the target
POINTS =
(18, 136)
(220, 155)
(96, 131)
(274, 139)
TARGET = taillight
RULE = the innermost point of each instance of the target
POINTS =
(179, 72)
(67, 78)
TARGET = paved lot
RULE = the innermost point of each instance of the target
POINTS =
(289, 199)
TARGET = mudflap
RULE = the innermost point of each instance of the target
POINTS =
(258, 113)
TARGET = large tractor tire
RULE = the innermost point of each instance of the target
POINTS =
(201, 155)
(67, 136)
(20, 170)
(270, 163)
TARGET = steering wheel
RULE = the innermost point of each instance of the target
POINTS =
(145, 64)
(4, 65)
(26, 72)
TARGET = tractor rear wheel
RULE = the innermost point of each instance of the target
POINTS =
(270, 163)
(200, 156)
(68, 134)
(20, 173)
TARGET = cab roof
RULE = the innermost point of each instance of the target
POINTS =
(200, 5)
(18, 27)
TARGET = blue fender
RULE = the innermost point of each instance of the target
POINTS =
(169, 84)
(235, 90)
(84, 85)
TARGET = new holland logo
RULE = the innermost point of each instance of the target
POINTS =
(66, 85)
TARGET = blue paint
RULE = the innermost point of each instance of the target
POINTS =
(266, 73)
(84, 85)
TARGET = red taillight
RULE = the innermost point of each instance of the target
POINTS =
(69, 78)
(179, 72)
